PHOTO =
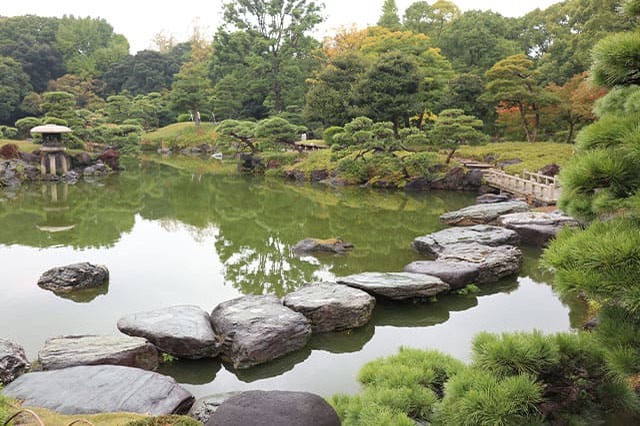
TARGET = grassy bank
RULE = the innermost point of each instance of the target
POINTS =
(534, 156)
(180, 135)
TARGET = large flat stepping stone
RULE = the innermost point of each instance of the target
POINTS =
(182, 331)
(537, 228)
(69, 351)
(434, 244)
(258, 329)
(396, 285)
(494, 263)
(261, 408)
(332, 307)
(99, 389)
(456, 274)
(483, 213)
(13, 361)
(78, 276)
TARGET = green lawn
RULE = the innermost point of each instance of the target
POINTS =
(180, 135)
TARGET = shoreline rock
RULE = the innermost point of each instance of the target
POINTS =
(13, 361)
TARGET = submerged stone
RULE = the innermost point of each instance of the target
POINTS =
(314, 245)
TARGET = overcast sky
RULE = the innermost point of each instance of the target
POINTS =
(140, 20)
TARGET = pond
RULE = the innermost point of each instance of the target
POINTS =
(173, 238)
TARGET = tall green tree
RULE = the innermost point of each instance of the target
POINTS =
(191, 89)
(389, 17)
(276, 47)
(513, 83)
(418, 17)
(145, 72)
(14, 86)
(89, 46)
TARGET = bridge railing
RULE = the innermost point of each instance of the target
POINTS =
(538, 191)
(537, 177)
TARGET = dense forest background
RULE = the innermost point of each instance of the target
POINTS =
(525, 78)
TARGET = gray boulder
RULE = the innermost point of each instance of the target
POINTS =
(456, 274)
(13, 361)
(537, 228)
(181, 331)
(331, 307)
(258, 329)
(494, 263)
(101, 388)
(433, 244)
(268, 408)
(492, 198)
(314, 245)
(69, 351)
(203, 408)
(483, 213)
(396, 285)
(78, 276)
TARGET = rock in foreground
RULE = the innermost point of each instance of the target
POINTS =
(13, 361)
(315, 245)
(537, 228)
(263, 408)
(258, 329)
(203, 408)
(99, 389)
(74, 277)
(69, 351)
(396, 285)
(483, 213)
(434, 244)
(331, 307)
(181, 331)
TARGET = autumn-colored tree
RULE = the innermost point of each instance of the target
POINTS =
(576, 99)
(512, 82)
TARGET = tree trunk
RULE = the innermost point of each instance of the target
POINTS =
(572, 129)
(453, 150)
(525, 125)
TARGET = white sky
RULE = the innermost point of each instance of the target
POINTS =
(140, 20)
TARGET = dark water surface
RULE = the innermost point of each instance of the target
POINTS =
(172, 238)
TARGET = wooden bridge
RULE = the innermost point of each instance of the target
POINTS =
(536, 188)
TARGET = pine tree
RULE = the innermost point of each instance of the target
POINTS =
(389, 18)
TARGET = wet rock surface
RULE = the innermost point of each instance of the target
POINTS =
(456, 274)
(479, 214)
(101, 388)
(258, 329)
(537, 228)
(434, 244)
(494, 263)
(13, 361)
(263, 408)
(330, 306)
(315, 245)
(182, 331)
(396, 285)
(74, 277)
(69, 351)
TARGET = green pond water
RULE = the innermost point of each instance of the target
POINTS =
(173, 238)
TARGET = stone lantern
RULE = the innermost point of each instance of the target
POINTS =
(52, 150)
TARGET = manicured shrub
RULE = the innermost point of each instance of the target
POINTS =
(24, 125)
(9, 132)
(276, 130)
(420, 164)
(330, 133)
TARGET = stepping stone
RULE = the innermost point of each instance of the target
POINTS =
(13, 361)
(181, 331)
(456, 274)
(537, 228)
(486, 214)
(100, 389)
(260, 408)
(396, 285)
(434, 244)
(331, 307)
(258, 329)
(494, 263)
(69, 351)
